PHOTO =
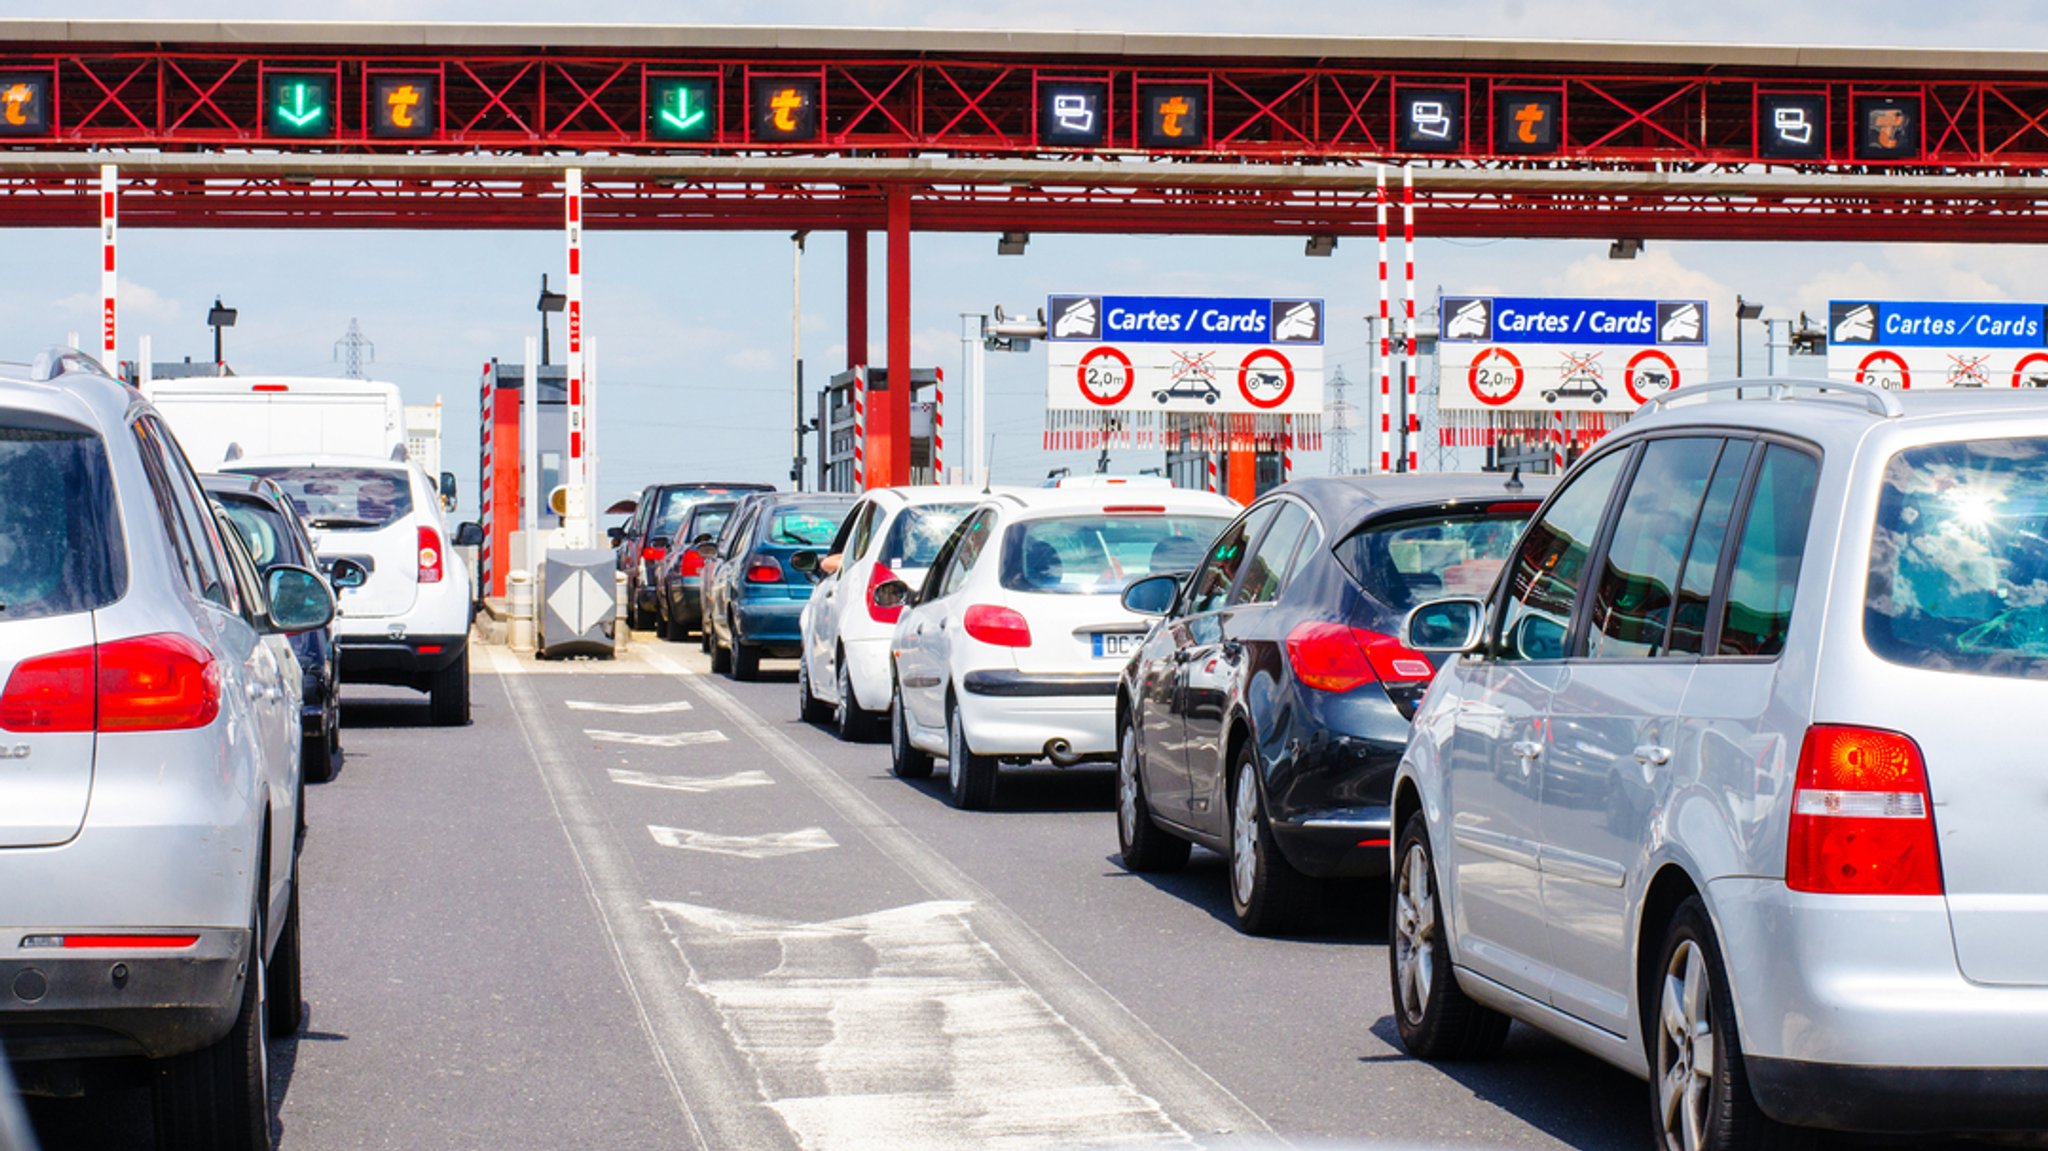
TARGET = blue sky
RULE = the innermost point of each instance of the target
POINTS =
(693, 329)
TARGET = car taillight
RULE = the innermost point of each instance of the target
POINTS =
(877, 576)
(1862, 817)
(692, 563)
(653, 555)
(50, 693)
(763, 570)
(1334, 657)
(430, 556)
(157, 683)
(997, 626)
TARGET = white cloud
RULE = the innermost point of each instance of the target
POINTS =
(1656, 273)
(753, 360)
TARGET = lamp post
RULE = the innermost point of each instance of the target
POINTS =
(221, 316)
(1743, 311)
(548, 302)
(796, 358)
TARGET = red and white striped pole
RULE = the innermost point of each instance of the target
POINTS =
(1413, 424)
(110, 183)
(939, 427)
(1386, 336)
(1287, 449)
(575, 519)
(860, 429)
(1209, 456)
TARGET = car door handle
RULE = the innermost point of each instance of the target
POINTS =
(1650, 755)
(1527, 749)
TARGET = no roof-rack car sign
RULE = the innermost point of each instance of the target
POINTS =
(1518, 353)
(1137, 355)
(1905, 344)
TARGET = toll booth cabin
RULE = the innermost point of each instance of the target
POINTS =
(500, 455)
(841, 429)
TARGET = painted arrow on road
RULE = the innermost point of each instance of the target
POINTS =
(641, 739)
(744, 846)
(695, 784)
(674, 705)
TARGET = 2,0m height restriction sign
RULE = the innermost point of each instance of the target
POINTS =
(1105, 375)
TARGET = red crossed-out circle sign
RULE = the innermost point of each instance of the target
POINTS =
(2019, 370)
(1101, 369)
(1495, 376)
(1244, 379)
(1884, 363)
(1647, 365)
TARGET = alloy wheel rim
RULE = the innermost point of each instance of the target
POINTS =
(1685, 1048)
(1127, 790)
(845, 696)
(1414, 933)
(1244, 822)
(956, 747)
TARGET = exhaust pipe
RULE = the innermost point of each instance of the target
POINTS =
(1061, 753)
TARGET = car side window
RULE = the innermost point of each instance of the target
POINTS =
(1758, 611)
(972, 541)
(1549, 566)
(167, 510)
(255, 606)
(863, 531)
(846, 543)
(1226, 558)
(1265, 574)
(1638, 581)
(208, 554)
(736, 534)
(1709, 544)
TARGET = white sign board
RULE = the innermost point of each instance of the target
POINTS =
(1917, 344)
(1524, 354)
(1144, 355)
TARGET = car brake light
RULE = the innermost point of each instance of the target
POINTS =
(270, 387)
(653, 555)
(1862, 817)
(50, 693)
(877, 576)
(124, 942)
(1514, 508)
(692, 563)
(761, 569)
(161, 682)
(1334, 657)
(430, 556)
(1116, 509)
(997, 626)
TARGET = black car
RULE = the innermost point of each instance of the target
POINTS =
(679, 575)
(645, 539)
(265, 519)
(1264, 715)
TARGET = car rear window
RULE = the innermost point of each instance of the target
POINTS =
(707, 520)
(1959, 559)
(1100, 554)
(343, 499)
(60, 536)
(916, 536)
(1410, 557)
(804, 525)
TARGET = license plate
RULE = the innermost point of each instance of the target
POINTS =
(1115, 644)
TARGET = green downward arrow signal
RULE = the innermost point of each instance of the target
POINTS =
(681, 118)
(298, 115)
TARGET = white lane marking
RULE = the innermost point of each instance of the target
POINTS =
(643, 739)
(673, 705)
(1186, 1092)
(721, 1107)
(695, 784)
(769, 846)
(902, 1030)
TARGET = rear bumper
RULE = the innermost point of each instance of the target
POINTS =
(60, 1004)
(399, 661)
(1900, 1100)
(771, 624)
(1024, 722)
(1349, 844)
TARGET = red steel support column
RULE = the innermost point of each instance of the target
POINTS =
(856, 298)
(889, 453)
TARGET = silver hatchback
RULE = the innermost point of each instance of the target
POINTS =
(1729, 783)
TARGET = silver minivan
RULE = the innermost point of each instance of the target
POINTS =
(149, 764)
(1730, 782)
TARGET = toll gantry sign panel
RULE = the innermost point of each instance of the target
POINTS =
(1524, 354)
(1915, 344)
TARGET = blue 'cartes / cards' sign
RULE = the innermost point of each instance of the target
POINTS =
(1579, 322)
(1931, 324)
(1188, 320)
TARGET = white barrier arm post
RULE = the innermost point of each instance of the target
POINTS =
(576, 509)
(110, 191)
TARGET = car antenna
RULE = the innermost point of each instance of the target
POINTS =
(1515, 481)
(988, 470)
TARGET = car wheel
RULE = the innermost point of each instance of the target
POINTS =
(856, 723)
(318, 755)
(451, 692)
(282, 994)
(746, 661)
(1699, 1087)
(721, 655)
(1435, 1017)
(1145, 845)
(663, 629)
(905, 760)
(1267, 894)
(704, 635)
(809, 708)
(971, 777)
(219, 1096)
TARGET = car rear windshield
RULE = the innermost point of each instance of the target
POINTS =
(1101, 554)
(916, 536)
(343, 499)
(804, 525)
(707, 520)
(263, 528)
(60, 537)
(1406, 560)
(1959, 559)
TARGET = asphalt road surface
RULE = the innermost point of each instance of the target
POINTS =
(635, 905)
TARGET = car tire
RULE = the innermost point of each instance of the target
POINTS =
(219, 1095)
(450, 692)
(1266, 893)
(1436, 1019)
(854, 723)
(905, 760)
(283, 994)
(746, 661)
(663, 629)
(1144, 845)
(318, 756)
(1686, 999)
(704, 635)
(809, 708)
(971, 778)
(721, 655)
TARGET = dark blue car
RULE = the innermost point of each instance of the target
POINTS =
(753, 596)
(1264, 715)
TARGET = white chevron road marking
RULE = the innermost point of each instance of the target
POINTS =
(643, 739)
(671, 706)
(694, 784)
(769, 846)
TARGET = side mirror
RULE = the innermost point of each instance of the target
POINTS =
(616, 535)
(805, 562)
(448, 486)
(469, 534)
(1539, 637)
(299, 600)
(891, 593)
(1153, 595)
(659, 542)
(344, 574)
(1445, 625)
(705, 546)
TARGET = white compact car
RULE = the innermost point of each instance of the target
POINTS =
(1010, 650)
(892, 534)
(407, 621)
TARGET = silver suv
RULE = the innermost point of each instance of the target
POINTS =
(1727, 785)
(149, 764)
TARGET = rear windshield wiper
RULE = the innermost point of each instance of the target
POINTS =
(341, 522)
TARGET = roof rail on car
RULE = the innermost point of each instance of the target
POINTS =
(1879, 401)
(63, 362)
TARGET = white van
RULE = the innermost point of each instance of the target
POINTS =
(269, 415)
